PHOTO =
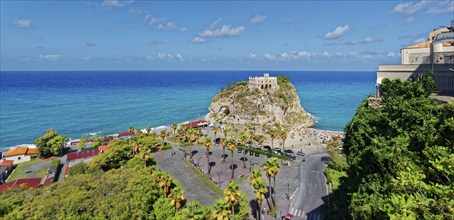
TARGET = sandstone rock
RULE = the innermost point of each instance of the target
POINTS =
(259, 110)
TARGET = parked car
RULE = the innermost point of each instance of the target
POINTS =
(301, 153)
(289, 151)
(287, 217)
(240, 150)
(277, 152)
(326, 159)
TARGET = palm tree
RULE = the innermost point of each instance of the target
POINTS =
(272, 133)
(177, 196)
(261, 139)
(215, 131)
(164, 180)
(259, 185)
(268, 167)
(276, 169)
(221, 210)
(283, 137)
(138, 133)
(208, 144)
(174, 128)
(131, 130)
(181, 133)
(163, 134)
(244, 138)
(192, 136)
(232, 195)
(223, 144)
(255, 174)
(148, 129)
(225, 131)
(232, 147)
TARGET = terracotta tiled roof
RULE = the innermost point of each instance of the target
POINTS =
(32, 151)
(6, 163)
(16, 151)
(420, 45)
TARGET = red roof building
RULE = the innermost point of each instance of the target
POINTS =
(81, 155)
(28, 183)
(125, 134)
(103, 148)
(197, 124)
(48, 181)
(6, 163)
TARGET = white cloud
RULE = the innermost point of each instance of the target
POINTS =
(184, 29)
(410, 20)
(252, 55)
(366, 40)
(304, 54)
(326, 54)
(167, 26)
(150, 58)
(339, 31)
(410, 7)
(116, 3)
(165, 57)
(179, 57)
(203, 60)
(225, 31)
(22, 23)
(268, 56)
(50, 57)
(214, 24)
(150, 20)
(442, 7)
(136, 11)
(257, 19)
(198, 40)
(391, 54)
(86, 58)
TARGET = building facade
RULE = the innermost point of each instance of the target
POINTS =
(263, 83)
(20, 154)
(436, 55)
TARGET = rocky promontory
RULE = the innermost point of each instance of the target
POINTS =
(259, 109)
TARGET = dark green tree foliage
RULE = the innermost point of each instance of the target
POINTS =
(400, 157)
(50, 144)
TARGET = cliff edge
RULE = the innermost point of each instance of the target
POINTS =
(261, 109)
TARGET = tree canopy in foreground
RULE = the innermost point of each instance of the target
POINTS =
(399, 158)
(119, 184)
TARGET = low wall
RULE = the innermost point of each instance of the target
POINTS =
(443, 74)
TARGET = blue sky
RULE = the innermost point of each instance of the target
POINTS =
(208, 35)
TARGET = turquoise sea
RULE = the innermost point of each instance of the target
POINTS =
(77, 103)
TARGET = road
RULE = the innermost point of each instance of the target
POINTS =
(312, 191)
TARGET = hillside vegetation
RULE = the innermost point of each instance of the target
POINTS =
(399, 158)
(122, 183)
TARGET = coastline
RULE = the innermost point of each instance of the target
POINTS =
(297, 141)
